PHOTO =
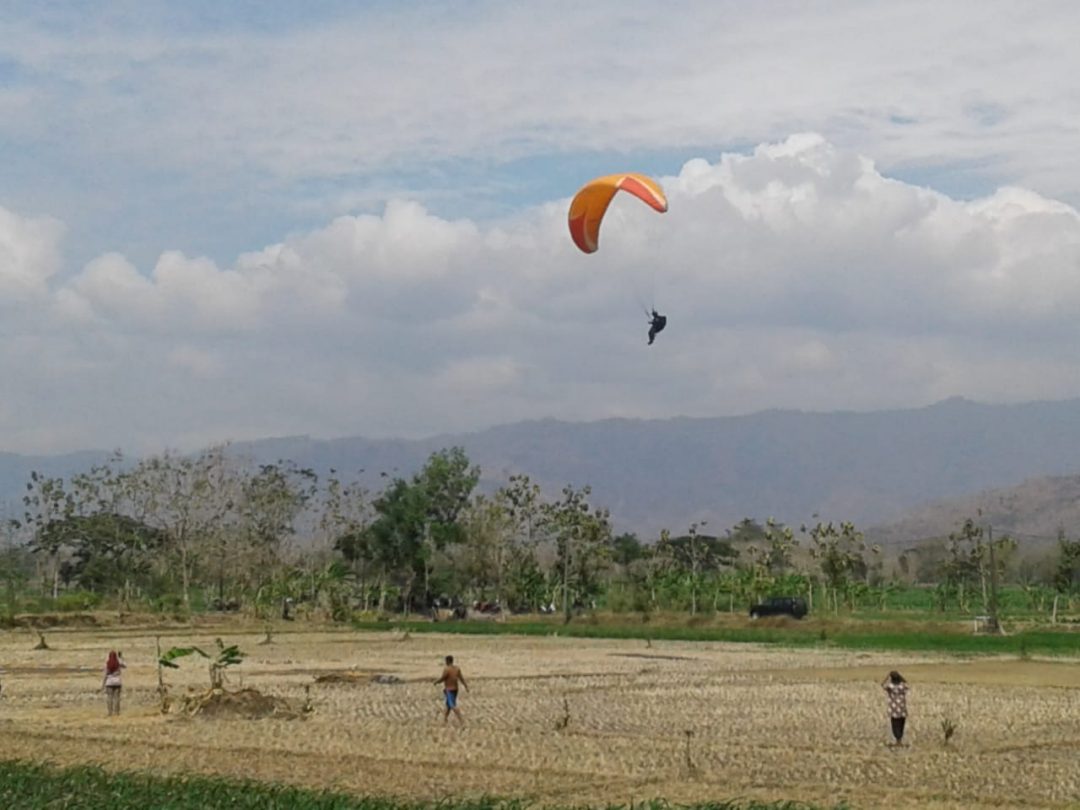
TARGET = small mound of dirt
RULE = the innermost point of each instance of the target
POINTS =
(354, 677)
(343, 677)
(244, 704)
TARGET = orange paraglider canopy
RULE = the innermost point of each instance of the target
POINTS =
(589, 204)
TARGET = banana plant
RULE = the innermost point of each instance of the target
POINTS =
(226, 657)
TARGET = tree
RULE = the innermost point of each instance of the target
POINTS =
(447, 482)
(765, 557)
(772, 550)
(344, 516)
(582, 544)
(498, 555)
(968, 566)
(267, 506)
(1067, 573)
(963, 562)
(115, 548)
(188, 499)
(489, 530)
(333, 582)
(524, 584)
(525, 503)
(746, 530)
(926, 561)
(272, 499)
(109, 551)
(48, 505)
(779, 548)
(523, 579)
(417, 517)
(840, 551)
(396, 537)
(694, 556)
(15, 565)
(627, 549)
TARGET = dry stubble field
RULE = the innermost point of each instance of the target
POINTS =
(766, 723)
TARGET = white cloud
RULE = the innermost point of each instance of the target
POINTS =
(917, 84)
(197, 362)
(794, 276)
(799, 273)
(113, 286)
(29, 256)
(479, 376)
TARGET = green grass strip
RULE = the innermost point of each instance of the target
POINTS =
(29, 786)
(1029, 642)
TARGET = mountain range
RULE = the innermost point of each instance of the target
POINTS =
(895, 469)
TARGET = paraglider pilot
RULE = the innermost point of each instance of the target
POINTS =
(656, 325)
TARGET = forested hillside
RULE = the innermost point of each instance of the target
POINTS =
(872, 468)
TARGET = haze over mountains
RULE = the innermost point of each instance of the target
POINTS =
(873, 468)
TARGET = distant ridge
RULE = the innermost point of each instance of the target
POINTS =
(1031, 512)
(870, 467)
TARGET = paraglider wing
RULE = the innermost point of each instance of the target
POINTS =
(589, 204)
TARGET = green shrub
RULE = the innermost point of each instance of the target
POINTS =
(74, 601)
(26, 785)
(169, 603)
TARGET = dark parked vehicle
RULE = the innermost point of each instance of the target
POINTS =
(780, 606)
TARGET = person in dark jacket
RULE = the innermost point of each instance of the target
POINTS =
(657, 322)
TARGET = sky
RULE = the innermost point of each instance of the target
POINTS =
(227, 221)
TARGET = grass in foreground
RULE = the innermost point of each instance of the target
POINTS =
(28, 786)
(848, 635)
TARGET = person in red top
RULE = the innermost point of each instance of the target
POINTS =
(111, 682)
(897, 689)
(450, 678)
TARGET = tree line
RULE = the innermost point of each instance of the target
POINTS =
(212, 531)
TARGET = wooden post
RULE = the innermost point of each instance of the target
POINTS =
(160, 677)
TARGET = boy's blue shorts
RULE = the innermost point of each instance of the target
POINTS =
(451, 698)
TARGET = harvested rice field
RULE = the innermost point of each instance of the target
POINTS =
(563, 721)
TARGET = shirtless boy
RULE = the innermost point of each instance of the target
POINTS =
(451, 677)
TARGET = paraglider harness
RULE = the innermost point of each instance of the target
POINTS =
(657, 322)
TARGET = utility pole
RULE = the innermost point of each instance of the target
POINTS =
(566, 576)
(995, 625)
(429, 552)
